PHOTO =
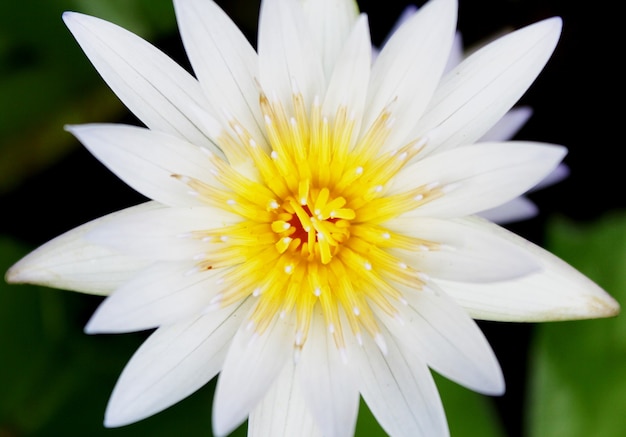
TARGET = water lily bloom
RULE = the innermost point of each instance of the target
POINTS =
(312, 234)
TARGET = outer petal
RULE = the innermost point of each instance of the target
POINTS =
(147, 160)
(288, 58)
(175, 361)
(330, 22)
(327, 383)
(476, 94)
(399, 389)
(465, 252)
(159, 295)
(163, 234)
(348, 84)
(283, 411)
(250, 369)
(401, 79)
(435, 328)
(224, 62)
(158, 91)
(557, 292)
(70, 262)
(508, 125)
(517, 209)
(478, 177)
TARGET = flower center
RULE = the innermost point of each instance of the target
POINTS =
(312, 205)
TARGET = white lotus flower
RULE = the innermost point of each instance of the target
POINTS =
(312, 233)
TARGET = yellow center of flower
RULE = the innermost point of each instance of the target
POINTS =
(312, 201)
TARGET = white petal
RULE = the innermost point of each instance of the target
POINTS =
(163, 234)
(557, 292)
(224, 62)
(330, 22)
(283, 411)
(399, 389)
(476, 94)
(158, 91)
(348, 84)
(408, 68)
(161, 294)
(171, 364)
(147, 160)
(70, 262)
(288, 57)
(435, 328)
(514, 210)
(251, 367)
(559, 173)
(478, 177)
(327, 383)
(508, 125)
(466, 252)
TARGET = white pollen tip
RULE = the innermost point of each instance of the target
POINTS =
(317, 291)
(424, 248)
(359, 338)
(286, 226)
(303, 201)
(190, 272)
(252, 143)
(224, 238)
(419, 197)
(399, 319)
(216, 299)
(402, 265)
(267, 119)
(199, 256)
(274, 155)
(274, 204)
(378, 188)
(386, 235)
(283, 314)
(331, 328)
(343, 355)
(450, 187)
(403, 156)
(231, 202)
(356, 311)
(423, 276)
(299, 339)
(359, 170)
(403, 301)
(193, 193)
(380, 341)
(289, 269)
(367, 266)
(432, 185)
(256, 292)
(293, 121)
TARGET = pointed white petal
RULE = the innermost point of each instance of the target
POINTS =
(283, 411)
(559, 173)
(147, 160)
(478, 177)
(175, 361)
(348, 84)
(514, 210)
(508, 125)
(476, 94)
(288, 57)
(327, 383)
(401, 76)
(399, 389)
(435, 328)
(465, 251)
(158, 91)
(70, 262)
(224, 62)
(557, 292)
(161, 294)
(330, 22)
(163, 234)
(251, 367)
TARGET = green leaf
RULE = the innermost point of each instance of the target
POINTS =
(578, 372)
